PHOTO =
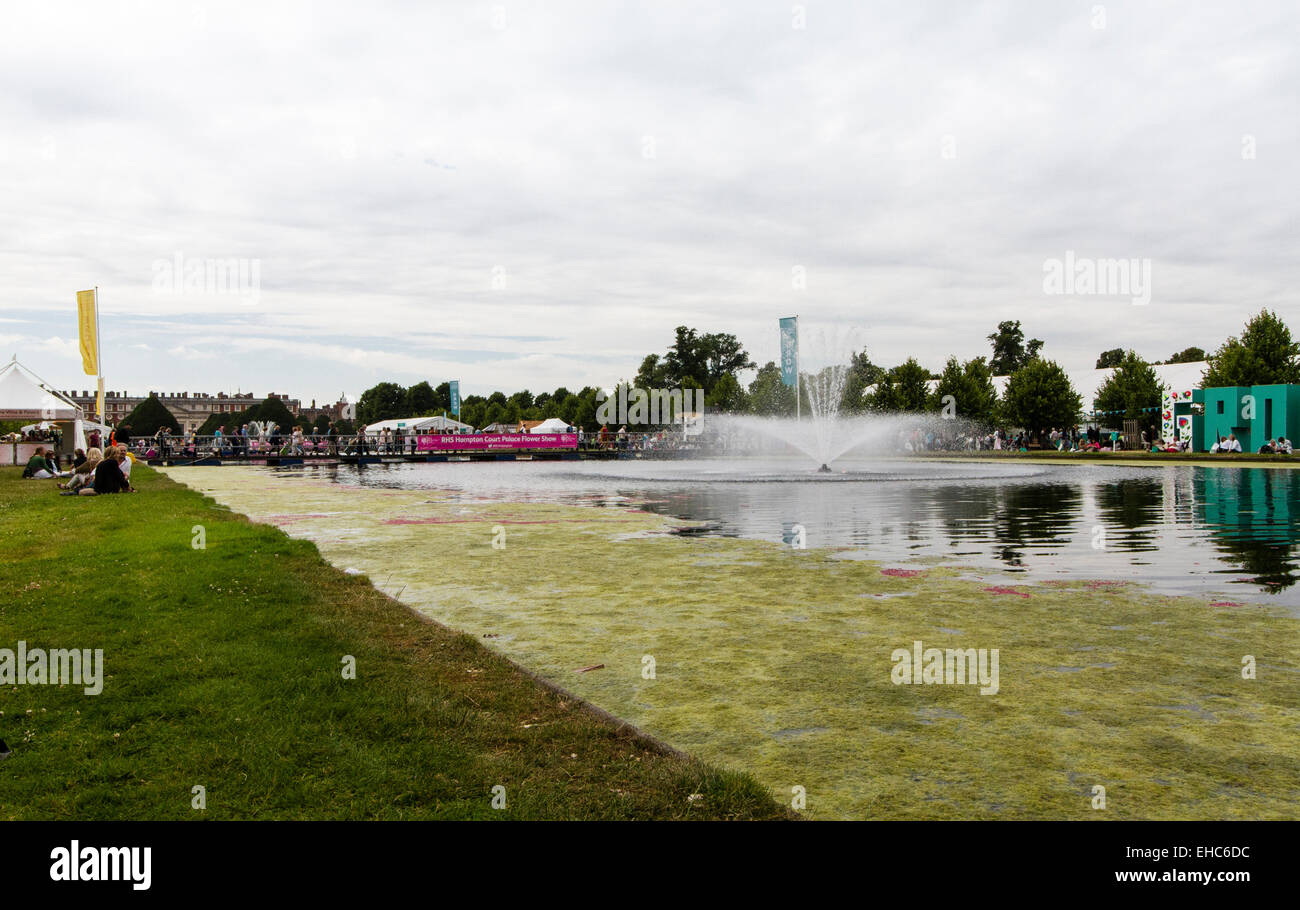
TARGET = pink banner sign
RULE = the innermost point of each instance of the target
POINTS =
(469, 442)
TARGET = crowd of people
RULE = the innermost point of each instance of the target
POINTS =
(93, 473)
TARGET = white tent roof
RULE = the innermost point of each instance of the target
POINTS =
(419, 425)
(551, 425)
(24, 397)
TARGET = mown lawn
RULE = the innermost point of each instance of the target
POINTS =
(223, 669)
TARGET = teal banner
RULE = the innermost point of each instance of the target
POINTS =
(455, 397)
(790, 350)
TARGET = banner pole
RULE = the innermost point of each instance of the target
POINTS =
(798, 402)
(99, 363)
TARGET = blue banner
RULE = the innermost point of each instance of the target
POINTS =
(455, 397)
(790, 350)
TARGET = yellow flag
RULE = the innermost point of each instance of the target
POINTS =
(99, 410)
(86, 319)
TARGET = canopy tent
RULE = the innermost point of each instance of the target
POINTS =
(25, 396)
(552, 425)
(409, 425)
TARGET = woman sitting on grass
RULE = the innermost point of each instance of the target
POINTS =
(43, 465)
(108, 475)
(84, 473)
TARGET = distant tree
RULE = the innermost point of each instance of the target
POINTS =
(1264, 355)
(1111, 358)
(727, 396)
(442, 399)
(862, 375)
(1039, 396)
(384, 401)
(768, 395)
(653, 373)
(903, 388)
(320, 424)
(146, 417)
(1187, 355)
(704, 358)
(1010, 352)
(971, 387)
(345, 427)
(1133, 389)
(421, 401)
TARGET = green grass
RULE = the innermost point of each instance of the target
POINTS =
(223, 669)
(777, 662)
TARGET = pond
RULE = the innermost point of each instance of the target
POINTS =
(1227, 532)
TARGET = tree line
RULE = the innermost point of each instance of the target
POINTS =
(1038, 394)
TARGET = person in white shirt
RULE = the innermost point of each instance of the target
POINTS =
(1233, 444)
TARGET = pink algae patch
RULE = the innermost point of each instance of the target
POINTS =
(1094, 585)
(902, 573)
(290, 519)
(1000, 590)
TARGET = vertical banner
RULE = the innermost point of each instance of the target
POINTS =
(88, 324)
(790, 351)
(455, 397)
(99, 402)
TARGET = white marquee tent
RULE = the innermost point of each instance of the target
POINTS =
(25, 396)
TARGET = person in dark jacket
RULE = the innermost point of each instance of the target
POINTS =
(108, 475)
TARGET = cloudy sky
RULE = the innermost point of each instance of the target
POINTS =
(534, 195)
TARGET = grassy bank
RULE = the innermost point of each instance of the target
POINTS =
(778, 661)
(223, 669)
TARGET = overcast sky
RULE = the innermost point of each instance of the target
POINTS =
(535, 194)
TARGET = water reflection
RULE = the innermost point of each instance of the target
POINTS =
(1229, 532)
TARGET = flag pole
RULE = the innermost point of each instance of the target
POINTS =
(99, 363)
(798, 403)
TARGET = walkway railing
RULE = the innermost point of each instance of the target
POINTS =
(318, 446)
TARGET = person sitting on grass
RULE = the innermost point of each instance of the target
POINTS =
(78, 458)
(37, 466)
(108, 475)
(1283, 446)
(124, 462)
(84, 473)
(1268, 448)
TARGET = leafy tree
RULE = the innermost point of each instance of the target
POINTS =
(420, 401)
(1187, 355)
(270, 411)
(384, 401)
(1264, 355)
(1112, 358)
(150, 414)
(768, 395)
(971, 388)
(704, 358)
(653, 373)
(1010, 352)
(1039, 396)
(862, 375)
(345, 427)
(903, 388)
(320, 424)
(1132, 389)
(727, 396)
